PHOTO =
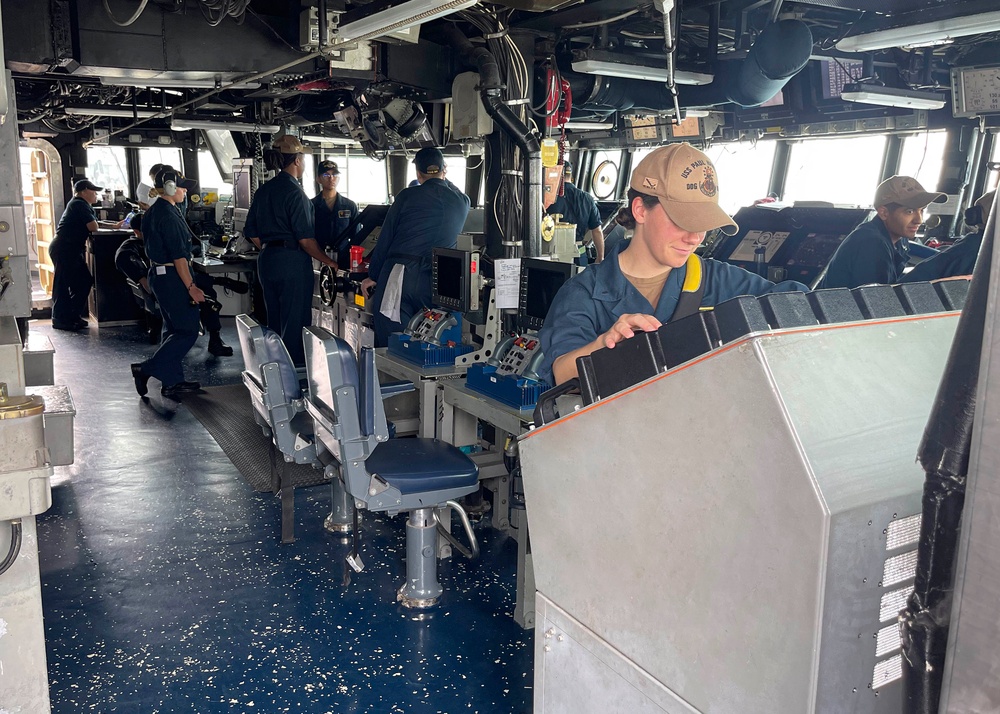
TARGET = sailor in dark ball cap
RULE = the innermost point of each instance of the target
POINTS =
(72, 280)
(333, 212)
(423, 218)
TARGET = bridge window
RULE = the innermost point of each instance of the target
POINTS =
(744, 172)
(209, 177)
(842, 171)
(364, 180)
(106, 168)
(922, 157)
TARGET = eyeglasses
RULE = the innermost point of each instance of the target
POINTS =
(329, 176)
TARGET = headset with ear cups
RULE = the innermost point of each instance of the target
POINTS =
(169, 183)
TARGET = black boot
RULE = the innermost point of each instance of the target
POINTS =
(217, 347)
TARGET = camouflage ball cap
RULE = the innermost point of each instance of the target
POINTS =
(685, 181)
(906, 192)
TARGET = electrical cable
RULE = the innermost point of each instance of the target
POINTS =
(111, 15)
(598, 23)
(15, 546)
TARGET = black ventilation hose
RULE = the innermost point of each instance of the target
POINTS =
(15, 546)
(944, 454)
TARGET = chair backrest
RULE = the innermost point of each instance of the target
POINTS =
(261, 346)
(348, 393)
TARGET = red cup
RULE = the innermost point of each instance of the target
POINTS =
(357, 254)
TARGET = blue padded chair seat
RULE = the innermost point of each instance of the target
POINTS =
(416, 465)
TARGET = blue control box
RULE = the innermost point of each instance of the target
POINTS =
(510, 389)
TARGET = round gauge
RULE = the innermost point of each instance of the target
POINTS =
(605, 180)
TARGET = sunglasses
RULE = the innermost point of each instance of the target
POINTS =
(329, 175)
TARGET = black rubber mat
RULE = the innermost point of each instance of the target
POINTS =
(227, 413)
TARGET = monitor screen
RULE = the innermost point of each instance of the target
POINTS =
(241, 185)
(450, 279)
(540, 281)
(835, 74)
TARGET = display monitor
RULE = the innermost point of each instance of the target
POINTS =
(241, 183)
(453, 281)
(540, 281)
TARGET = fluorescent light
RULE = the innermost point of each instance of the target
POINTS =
(182, 124)
(101, 110)
(398, 17)
(891, 97)
(338, 140)
(939, 31)
(173, 82)
(588, 125)
(609, 68)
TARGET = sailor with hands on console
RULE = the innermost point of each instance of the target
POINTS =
(673, 200)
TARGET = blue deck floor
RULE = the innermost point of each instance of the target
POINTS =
(165, 587)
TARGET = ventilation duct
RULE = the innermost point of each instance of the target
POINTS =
(780, 52)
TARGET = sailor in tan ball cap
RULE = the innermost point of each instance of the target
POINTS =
(878, 250)
(656, 277)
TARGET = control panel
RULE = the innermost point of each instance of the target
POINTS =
(519, 356)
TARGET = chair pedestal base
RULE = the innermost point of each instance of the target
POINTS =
(341, 518)
(421, 588)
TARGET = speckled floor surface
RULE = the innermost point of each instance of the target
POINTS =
(165, 587)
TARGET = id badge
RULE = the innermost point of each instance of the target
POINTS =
(161, 270)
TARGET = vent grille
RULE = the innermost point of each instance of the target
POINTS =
(904, 532)
(887, 640)
(888, 671)
(892, 603)
(899, 568)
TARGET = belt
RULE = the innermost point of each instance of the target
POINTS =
(164, 265)
(289, 243)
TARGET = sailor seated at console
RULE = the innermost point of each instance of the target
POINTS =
(672, 203)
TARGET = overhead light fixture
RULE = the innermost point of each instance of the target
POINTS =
(589, 125)
(174, 82)
(611, 64)
(101, 110)
(397, 17)
(925, 33)
(336, 140)
(182, 124)
(891, 97)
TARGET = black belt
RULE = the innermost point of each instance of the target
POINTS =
(289, 243)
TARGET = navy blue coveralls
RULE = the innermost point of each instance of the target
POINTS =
(423, 217)
(589, 304)
(168, 238)
(280, 216)
(331, 222)
(867, 256)
(72, 280)
(957, 259)
(580, 208)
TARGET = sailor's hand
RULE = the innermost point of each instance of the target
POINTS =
(367, 286)
(196, 293)
(626, 326)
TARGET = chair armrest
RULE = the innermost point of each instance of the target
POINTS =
(391, 389)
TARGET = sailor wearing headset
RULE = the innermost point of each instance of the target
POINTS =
(168, 245)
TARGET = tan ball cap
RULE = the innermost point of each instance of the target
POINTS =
(907, 192)
(685, 181)
(289, 144)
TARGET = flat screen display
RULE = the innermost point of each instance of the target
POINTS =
(540, 281)
(449, 276)
(450, 279)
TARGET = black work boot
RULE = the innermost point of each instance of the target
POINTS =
(217, 347)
